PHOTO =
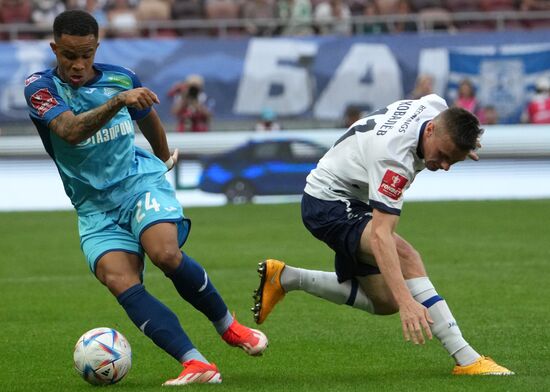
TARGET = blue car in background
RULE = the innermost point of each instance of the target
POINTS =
(261, 167)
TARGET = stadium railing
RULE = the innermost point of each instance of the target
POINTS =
(497, 21)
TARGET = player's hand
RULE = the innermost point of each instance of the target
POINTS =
(473, 154)
(171, 162)
(415, 321)
(139, 98)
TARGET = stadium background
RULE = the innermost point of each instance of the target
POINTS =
(307, 82)
(498, 248)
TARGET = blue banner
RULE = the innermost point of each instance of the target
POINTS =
(315, 77)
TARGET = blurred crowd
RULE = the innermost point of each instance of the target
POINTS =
(123, 18)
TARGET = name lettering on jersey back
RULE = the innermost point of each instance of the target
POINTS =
(399, 112)
(392, 184)
(107, 134)
(408, 121)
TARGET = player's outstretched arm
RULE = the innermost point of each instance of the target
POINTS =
(77, 128)
(414, 317)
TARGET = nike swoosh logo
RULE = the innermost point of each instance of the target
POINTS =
(205, 282)
(142, 326)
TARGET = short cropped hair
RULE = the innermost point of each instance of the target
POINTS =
(462, 126)
(75, 22)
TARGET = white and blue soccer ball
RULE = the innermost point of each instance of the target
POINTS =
(102, 356)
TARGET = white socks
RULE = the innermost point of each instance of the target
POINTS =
(444, 327)
(325, 285)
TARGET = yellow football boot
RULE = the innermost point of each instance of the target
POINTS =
(270, 291)
(484, 366)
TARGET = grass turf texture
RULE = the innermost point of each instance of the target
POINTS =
(490, 260)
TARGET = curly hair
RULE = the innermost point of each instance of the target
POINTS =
(75, 22)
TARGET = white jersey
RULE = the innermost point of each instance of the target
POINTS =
(378, 157)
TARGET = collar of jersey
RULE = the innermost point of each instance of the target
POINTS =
(98, 76)
(419, 151)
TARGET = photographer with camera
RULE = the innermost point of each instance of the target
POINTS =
(190, 105)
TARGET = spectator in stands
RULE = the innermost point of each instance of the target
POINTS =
(372, 9)
(488, 115)
(96, 10)
(268, 121)
(501, 5)
(387, 7)
(223, 9)
(424, 86)
(419, 5)
(15, 11)
(466, 98)
(403, 8)
(333, 17)
(45, 11)
(351, 115)
(154, 11)
(437, 18)
(188, 9)
(466, 6)
(190, 105)
(498, 5)
(536, 5)
(122, 19)
(538, 108)
(295, 16)
(357, 7)
(255, 10)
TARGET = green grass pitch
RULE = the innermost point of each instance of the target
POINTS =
(489, 260)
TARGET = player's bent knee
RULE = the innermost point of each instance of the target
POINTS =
(167, 259)
(119, 283)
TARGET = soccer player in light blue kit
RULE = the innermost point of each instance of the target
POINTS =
(84, 113)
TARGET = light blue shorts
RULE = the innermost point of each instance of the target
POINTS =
(120, 229)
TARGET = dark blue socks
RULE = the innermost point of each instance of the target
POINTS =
(156, 321)
(194, 286)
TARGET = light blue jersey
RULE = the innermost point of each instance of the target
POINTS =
(99, 173)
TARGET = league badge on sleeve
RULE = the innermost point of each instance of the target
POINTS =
(392, 184)
(42, 101)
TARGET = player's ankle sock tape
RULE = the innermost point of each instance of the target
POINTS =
(155, 320)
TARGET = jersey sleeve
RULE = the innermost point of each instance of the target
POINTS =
(136, 114)
(43, 101)
(388, 179)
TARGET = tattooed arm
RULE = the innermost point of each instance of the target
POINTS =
(77, 128)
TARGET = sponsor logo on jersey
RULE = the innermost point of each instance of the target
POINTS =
(392, 184)
(107, 134)
(31, 79)
(121, 80)
(42, 101)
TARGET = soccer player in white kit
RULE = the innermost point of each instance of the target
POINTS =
(352, 202)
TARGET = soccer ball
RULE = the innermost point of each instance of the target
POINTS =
(102, 356)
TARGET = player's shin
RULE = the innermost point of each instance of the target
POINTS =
(325, 285)
(445, 327)
(156, 321)
(194, 286)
